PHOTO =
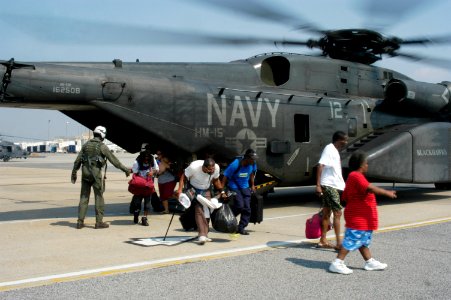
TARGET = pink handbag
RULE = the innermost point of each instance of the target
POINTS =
(313, 226)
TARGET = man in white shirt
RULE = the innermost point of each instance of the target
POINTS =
(329, 180)
(201, 174)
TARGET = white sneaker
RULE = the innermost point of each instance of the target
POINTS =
(208, 239)
(202, 239)
(338, 266)
(373, 265)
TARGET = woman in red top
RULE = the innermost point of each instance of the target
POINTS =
(360, 215)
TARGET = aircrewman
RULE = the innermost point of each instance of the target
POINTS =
(93, 157)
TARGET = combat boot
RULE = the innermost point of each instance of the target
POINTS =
(80, 224)
(144, 221)
(100, 225)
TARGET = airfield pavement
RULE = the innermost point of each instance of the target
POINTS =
(41, 247)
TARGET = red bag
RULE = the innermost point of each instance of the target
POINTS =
(141, 186)
(313, 226)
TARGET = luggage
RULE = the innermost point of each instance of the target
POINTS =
(157, 206)
(223, 219)
(187, 219)
(175, 206)
(313, 226)
(256, 208)
(141, 186)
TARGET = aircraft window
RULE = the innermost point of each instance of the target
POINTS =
(275, 70)
(352, 127)
(301, 128)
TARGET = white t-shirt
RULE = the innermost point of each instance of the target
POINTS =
(331, 174)
(197, 177)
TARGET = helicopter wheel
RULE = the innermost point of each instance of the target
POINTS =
(443, 185)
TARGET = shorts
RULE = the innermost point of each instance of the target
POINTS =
(331, 198)
(355, 239)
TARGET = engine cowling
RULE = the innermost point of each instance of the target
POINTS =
(422, 96)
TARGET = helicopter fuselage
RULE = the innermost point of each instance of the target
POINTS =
(285, 106)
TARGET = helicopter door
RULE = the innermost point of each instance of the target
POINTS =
(301, 135)
(297, 158)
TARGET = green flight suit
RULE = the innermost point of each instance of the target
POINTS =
(92, 159)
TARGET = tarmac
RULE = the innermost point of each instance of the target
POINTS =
(41, 244)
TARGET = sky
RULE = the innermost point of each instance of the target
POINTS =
(24, 28)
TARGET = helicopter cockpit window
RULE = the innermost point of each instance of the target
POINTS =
(275, 70)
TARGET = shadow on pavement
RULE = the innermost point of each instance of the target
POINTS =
(118, 209)
(301, 196)
(65, 223)
(307, 263)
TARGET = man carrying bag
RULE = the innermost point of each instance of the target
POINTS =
(239, 177)
(201, 174)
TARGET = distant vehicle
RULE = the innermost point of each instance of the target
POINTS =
(71, 149)
(10, 150)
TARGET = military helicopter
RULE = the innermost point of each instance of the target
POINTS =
(284, 105)
(9, 150)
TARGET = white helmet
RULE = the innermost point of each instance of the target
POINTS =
(144, 147)
(100, 130)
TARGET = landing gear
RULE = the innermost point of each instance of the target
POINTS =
(443, 185)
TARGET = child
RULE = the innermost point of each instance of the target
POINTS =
(360, 215)
(144, 167)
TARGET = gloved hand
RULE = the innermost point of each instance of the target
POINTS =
(127, 173)
(73, 177)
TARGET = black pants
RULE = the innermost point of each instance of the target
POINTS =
(242, 206)
(137, 199)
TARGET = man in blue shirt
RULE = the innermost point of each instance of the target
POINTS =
(239, 177)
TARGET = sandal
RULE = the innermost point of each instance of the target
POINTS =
(325, 246)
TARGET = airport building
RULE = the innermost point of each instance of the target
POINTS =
(64, 145)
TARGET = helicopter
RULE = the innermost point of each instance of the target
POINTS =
(9, 150)
(284, 105)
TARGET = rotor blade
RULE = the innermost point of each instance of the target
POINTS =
(12, 64)
(437, 62)
(71, 31)
(308, 43)
(444, 39)
(21, 137)
(382, 14)
(259, 10)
